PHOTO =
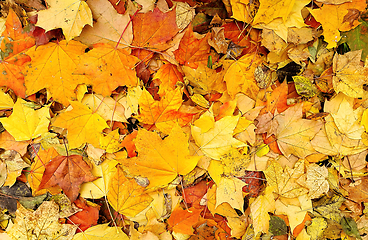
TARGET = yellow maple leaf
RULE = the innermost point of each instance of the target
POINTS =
(52, 67)
(294, 133)
(70, 15)
(260, 209)
(217, 141)
(317, 180)
(99, 187)
(230, 190)
(41, 224)
(101, 232)
(111, 142)
(161, 160)
(332, 18)
(126, 196)
(26, 123)
(350, 77)
(240, 76)
(6, 101)
(83, 125)
(269, 10)
(286, 180)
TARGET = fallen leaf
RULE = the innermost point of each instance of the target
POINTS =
(218, 140)
(87, 217)
(163, 114)
(26, 123)
(107, 27)
(152, 30)
(181, 221)
(165, 158)
(168, 75)
(192, 49)
(317, 180)
(55, 61)
(101, 232)
(126, 196)
(83, 125)
(286, 181)
(69, 172)
(230, 190)
(260, 209)
(294, 133)
(41, 224)
(240, 76)
(70, 15)
(105, 65)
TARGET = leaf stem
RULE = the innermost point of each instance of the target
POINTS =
(121, 36)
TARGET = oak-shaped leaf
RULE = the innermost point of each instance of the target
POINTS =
(70, 15)
(83, 125)
(52, 67)
(126, 196)
(69, 172)
(26, 123)
(161, 160)
(41, 224)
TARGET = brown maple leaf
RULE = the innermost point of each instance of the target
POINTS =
(69, 172)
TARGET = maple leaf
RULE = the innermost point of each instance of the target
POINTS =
(350, 77)
(218, 140)
(38, 169)
(168, 75)
(108, 25)
(152, 30)
(41, 224)
(7, 141)
(83, 125)
(240, 76)
(286, 180)
(12, 77)
(105, 66)
(126, 196)
(70, 15)
(161, 160)
(100, 232)
(294, 133)
(230, 190)
(52, 67)
(260, 208)
(181, 220)
(164, 114)
(87, 217)
(192, 49)
(15, 40)
(69, 172)
(332, 17)
(26, 123)
(269, 10)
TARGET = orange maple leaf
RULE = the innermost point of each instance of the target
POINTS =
(164, 114)
(52, 67)
(181, 221)
(153, 29)
(108, 68)
(168, 75)
(69, 172)
(15, 40)
(193, 50)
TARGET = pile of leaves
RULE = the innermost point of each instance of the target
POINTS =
(188, 119)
